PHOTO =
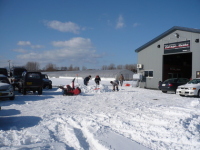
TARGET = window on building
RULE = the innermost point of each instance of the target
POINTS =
(148, 73)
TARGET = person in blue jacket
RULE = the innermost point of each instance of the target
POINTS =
(86, 80)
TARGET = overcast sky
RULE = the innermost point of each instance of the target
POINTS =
(86, 33)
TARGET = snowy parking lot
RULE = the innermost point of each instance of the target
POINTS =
(130, 119)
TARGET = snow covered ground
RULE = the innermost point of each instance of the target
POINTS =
(131, 119)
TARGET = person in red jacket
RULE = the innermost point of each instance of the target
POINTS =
(69, 91)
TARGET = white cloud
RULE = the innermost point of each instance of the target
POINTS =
(20, 50)
(120, 22)
(28, 43)
(77, 42)
(74, 51)
(37, 46)
(24, 43)
(63, 27)
(136, 24)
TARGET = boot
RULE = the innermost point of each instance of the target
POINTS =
(73, 79)
(117, 88)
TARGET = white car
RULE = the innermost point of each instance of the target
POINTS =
(6, 89)
(192, 88)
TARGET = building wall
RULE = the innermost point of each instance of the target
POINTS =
(195, 54)
(152, 57)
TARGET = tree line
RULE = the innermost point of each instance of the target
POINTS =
(35, 66)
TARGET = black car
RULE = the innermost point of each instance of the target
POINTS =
(46, 82)
(4, 71)
(31, 81)
(171, 84)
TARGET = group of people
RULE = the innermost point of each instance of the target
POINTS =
(75, 91)
(97, 80)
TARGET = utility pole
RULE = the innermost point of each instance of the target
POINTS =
(9, 65)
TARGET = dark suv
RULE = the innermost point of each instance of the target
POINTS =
(171, 84)
(46, 82)
(4, 71)
(31, 81)
(16, 75)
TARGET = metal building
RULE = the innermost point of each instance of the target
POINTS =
(174, 53)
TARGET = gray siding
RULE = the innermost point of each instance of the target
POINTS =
(152, 57)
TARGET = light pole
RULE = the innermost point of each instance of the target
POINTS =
(9, 65)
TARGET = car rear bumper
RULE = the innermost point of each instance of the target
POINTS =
(167, 89)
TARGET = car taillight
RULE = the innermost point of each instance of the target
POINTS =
(170, 84)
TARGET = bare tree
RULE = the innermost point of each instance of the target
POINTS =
(63, 68)
(111, 67)
(76, 69)
(50, 67)
(131, 67)
(84, 68)
(104, 67)
(32, 66)
(119, 67)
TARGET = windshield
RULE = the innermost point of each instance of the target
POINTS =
(4, 80)
(44, 76)
(3, 71)
(194, 81)
(18, 72)
(170, 80)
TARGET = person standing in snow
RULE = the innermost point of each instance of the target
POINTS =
(121, 79)
(115, 84)
(97, 80)
(69, 91)
(86, 80)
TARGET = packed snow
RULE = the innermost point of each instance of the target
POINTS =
(130, 119)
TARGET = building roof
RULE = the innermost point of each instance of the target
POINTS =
(165, 34)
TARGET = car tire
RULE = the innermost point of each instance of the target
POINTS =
(24, 91)
(175, 91)
(40, 91)
(19, 90)
(198, 94)
(12, 98)
(164, 91)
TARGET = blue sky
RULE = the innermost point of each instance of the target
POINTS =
(86, 33)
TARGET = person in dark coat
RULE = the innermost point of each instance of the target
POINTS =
(86, 80)
(97, 80)
(70, 90)
(115, 84)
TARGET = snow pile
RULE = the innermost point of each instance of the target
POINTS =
(132, 118)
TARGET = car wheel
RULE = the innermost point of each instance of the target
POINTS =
(175, 91)
(164, 91)
(24, 91)
(198, 94)
(19, 90)
(40, 91)
(12, 98)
